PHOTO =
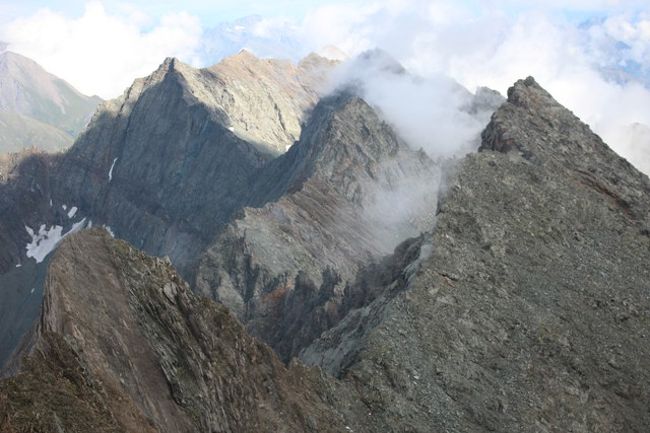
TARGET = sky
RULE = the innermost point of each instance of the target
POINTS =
(593, 56)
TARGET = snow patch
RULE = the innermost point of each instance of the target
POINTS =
(64, 207)
(110, 232)
(110, 172)
(19, 265)
(46, 240)
(73, 212)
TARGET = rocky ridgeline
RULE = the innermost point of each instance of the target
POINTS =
(530, 312)
(520, 303)
(291, 259)
(123, 345)
(163, 166)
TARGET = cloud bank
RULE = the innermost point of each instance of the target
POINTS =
(432, 114)
(599, 68)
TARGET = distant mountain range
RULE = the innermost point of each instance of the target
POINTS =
(38, 109)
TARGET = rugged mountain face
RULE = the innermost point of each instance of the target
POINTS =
(266, 100)
(162, 166)
(519, 301)
(167, 164)
(291, 259)
(123, 345)
(529, 311)
(38, 109)
(24, 203)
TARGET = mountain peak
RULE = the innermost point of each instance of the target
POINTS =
(528, 92)
(532, 123)
(243, 58)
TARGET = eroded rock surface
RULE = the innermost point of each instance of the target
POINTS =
(283, 268)
(531, 311)
(124, 345)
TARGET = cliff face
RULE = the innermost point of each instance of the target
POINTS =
(530, 308)
(164, 166)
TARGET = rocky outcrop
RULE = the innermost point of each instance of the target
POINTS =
(124, 345)
(531, 310)
(266, 100)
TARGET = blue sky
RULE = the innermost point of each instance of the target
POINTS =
(212, 12)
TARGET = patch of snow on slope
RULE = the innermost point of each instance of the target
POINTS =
(110, 172)
(46, 240)
(73, 212)
(109, 230)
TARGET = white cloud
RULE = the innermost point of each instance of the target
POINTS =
(413, 106)
(100, 53)
(494, 48)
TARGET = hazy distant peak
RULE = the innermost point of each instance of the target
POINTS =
(39, 108)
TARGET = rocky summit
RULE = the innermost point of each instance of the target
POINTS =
(289, 263)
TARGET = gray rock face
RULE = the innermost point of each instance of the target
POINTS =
(164, 166)
(24, 202)
(291, 260)
(531, 311)
(160, 167)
